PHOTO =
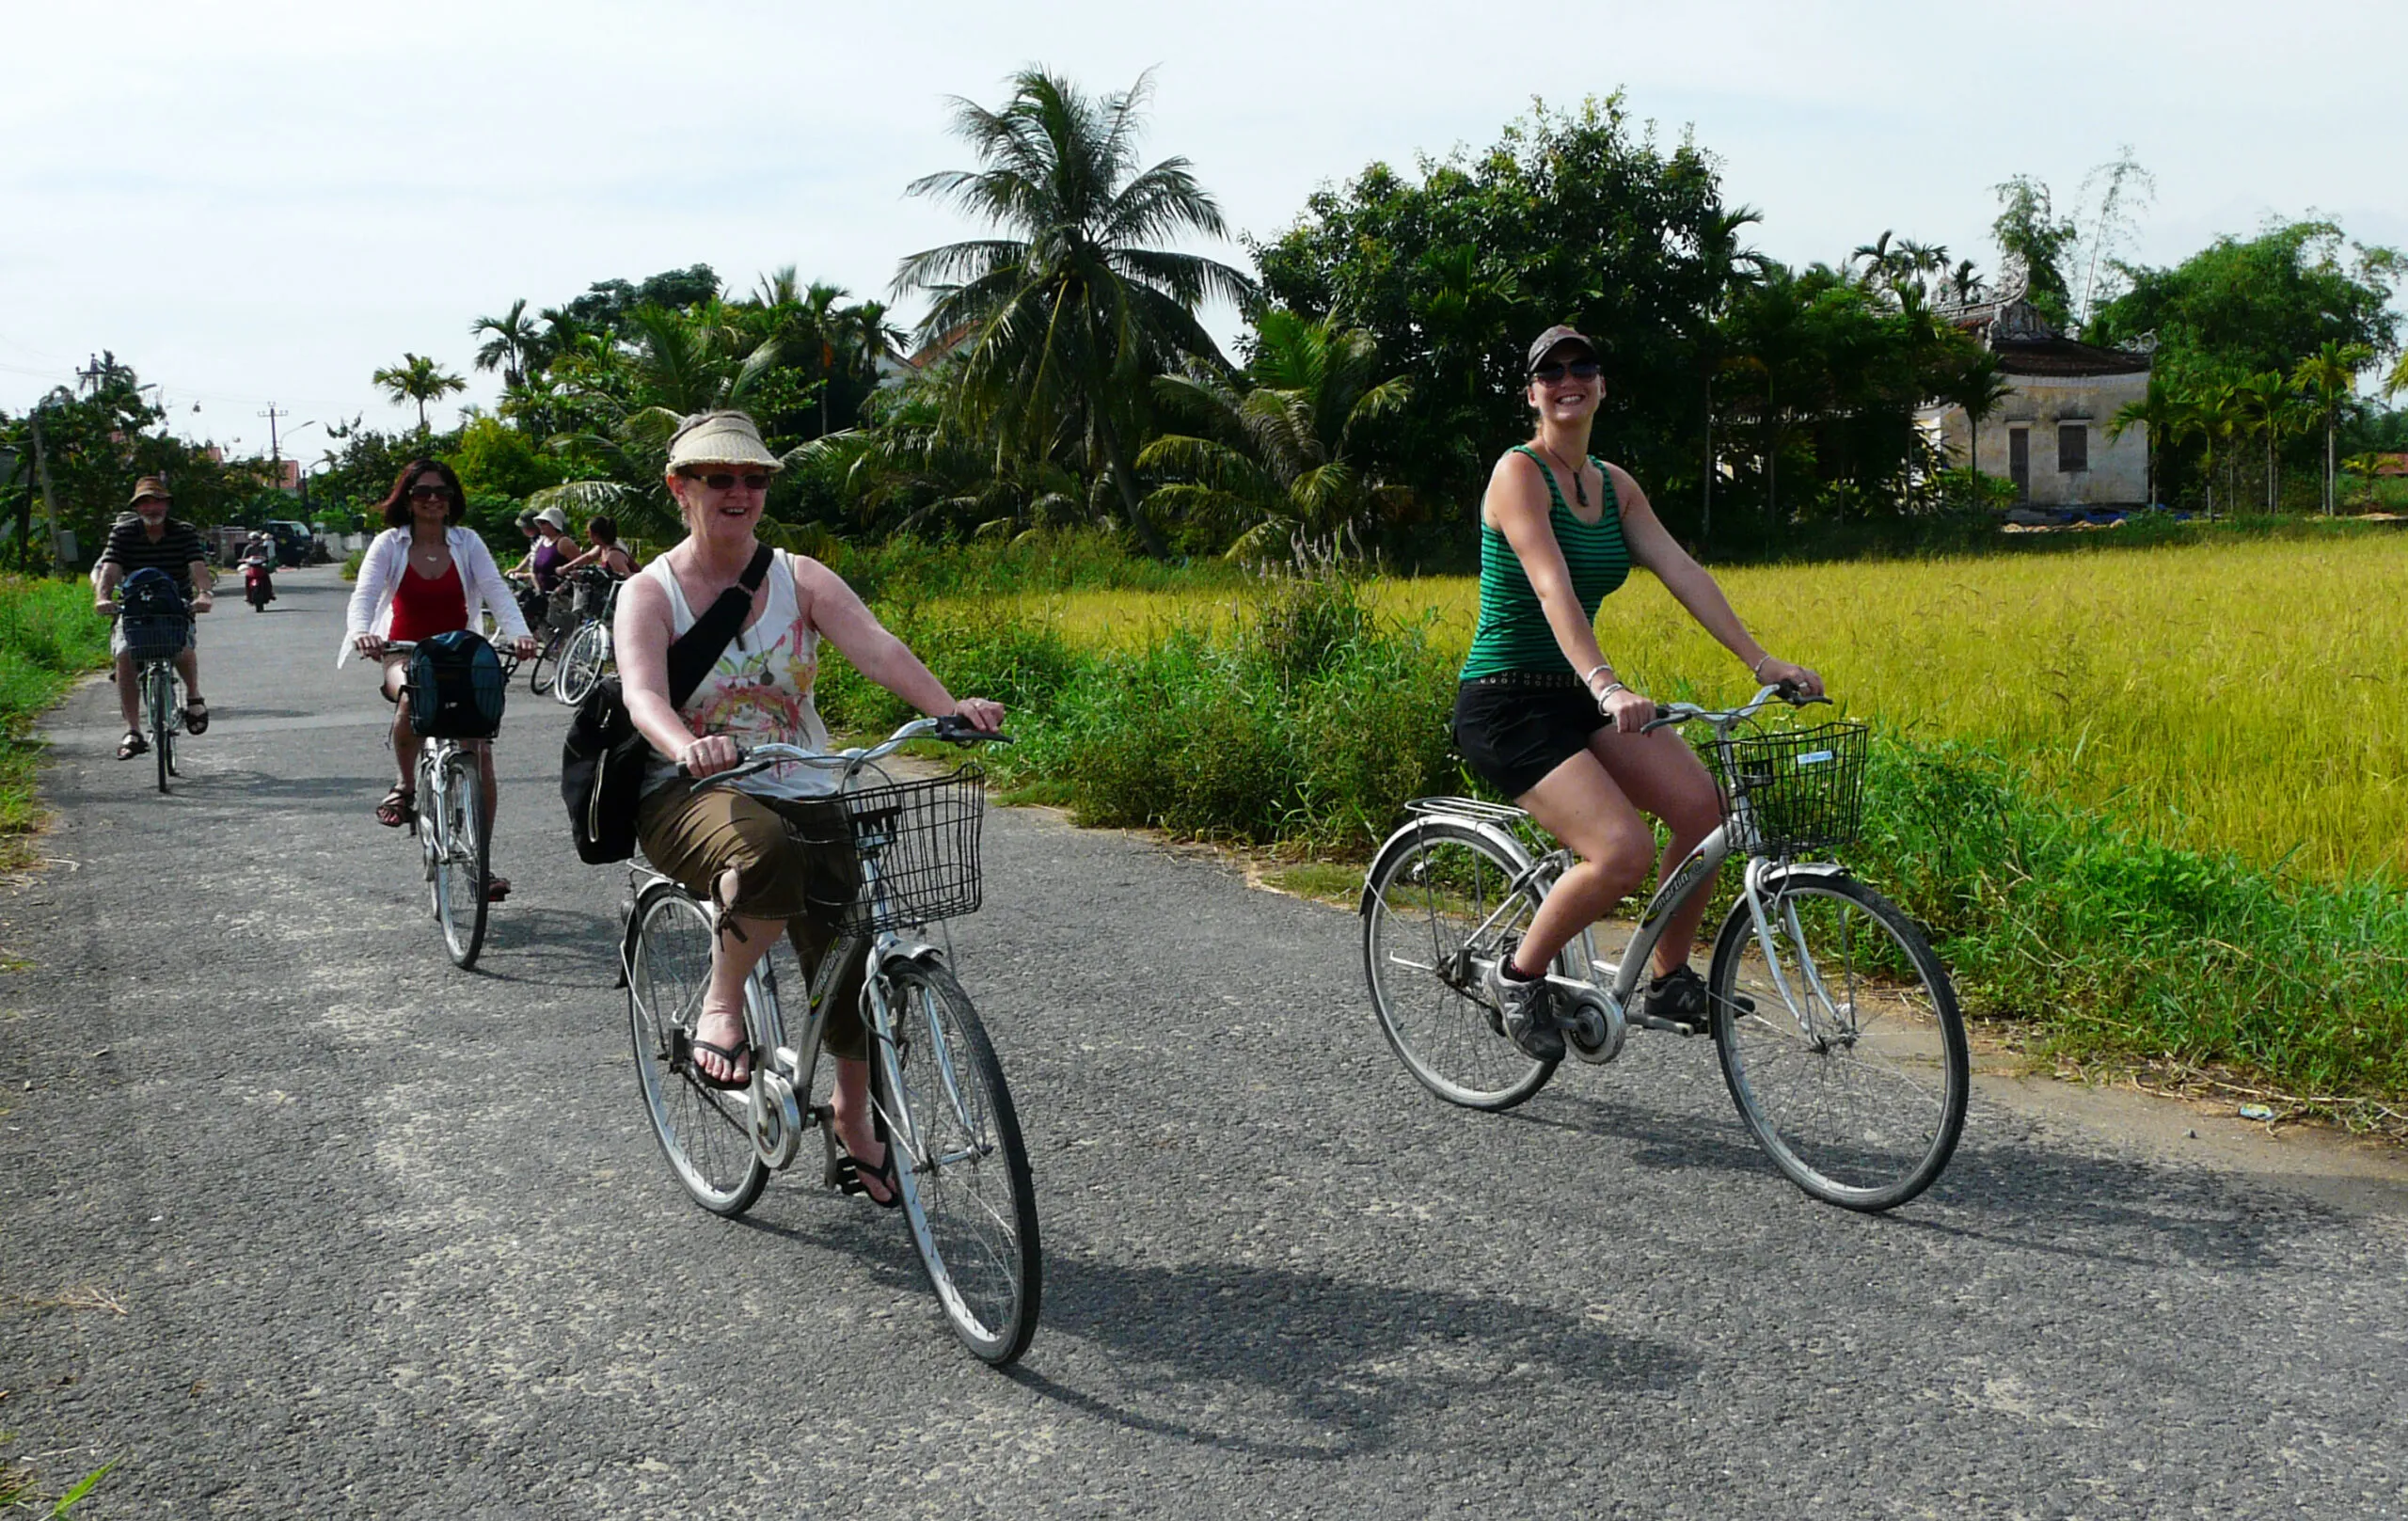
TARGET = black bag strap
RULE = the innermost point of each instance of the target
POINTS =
(698, 649)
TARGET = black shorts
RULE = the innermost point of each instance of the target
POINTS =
(1514, 732)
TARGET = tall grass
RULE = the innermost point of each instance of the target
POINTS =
(49, 635)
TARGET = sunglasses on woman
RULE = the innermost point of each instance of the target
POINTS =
(725, 480)
(1578, 370)
(431, 493)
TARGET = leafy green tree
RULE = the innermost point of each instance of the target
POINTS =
(1071, 313)
(2033, 239)
(2331, 376)
(2241, 307)
(1274, 453)
(1980, 388)
(419, 379)
(2160, 416)
(2268, 409)
(513, 342)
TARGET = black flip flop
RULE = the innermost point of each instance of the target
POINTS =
(850, 1170)
(728, 1055)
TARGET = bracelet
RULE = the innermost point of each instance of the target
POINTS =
(1754, 670)
(1601, 665)
(1611, 688)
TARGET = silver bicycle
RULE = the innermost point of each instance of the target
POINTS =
(1837, 1026)
(585, 656)
(937, 1089)
(454, 836)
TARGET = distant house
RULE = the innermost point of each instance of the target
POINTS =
(893, 369)
(2050, 435)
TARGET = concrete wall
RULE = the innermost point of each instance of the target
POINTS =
(2041, 404)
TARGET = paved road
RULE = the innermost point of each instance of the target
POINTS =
(390, 1240)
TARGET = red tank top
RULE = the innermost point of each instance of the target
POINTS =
(424, 606)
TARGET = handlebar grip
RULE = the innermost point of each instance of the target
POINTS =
(960, 730)
(742, 756)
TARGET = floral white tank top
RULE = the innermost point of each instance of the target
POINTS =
(760, 690)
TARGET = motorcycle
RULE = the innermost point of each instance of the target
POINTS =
(259, 584)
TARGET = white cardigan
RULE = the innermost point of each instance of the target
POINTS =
(389, 557)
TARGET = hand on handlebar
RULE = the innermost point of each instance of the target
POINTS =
(984, 714)
(371, 646)
(709, 756)
(1797, 682)
(1630, 711)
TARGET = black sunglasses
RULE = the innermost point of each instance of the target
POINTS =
(724, 480)
(1577, 370)
(432, 493)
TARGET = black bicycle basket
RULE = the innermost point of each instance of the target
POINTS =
(455, 687)
(1803, 788)
(921, 839)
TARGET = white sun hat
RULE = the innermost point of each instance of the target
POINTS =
(720, 439)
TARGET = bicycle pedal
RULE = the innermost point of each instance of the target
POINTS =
(1656, 1021)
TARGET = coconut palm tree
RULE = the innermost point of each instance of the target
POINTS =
(1075, 306)
(513, 344)
(419, 379)
(2267, 408)
(2159, 416)
(1279, 451)
(2331, 376)
(1979, 388)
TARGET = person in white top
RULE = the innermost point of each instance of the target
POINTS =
(423, 576)
(738, 846)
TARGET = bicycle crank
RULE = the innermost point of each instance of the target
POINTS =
(777, 1119)
(1592, 1025)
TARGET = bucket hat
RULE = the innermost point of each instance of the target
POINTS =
(558, 520)
(150, 485)
(720, 439)
(1554, 338)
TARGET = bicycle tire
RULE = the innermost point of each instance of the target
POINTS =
(159, 695)
(706, 1134)
(580, 664)
(1433, 886)
(967, 1190)
(1857, 1092)
(541, 669)
(463, 841)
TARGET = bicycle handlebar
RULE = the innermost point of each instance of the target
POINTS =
(1672, 713)
(952, 728)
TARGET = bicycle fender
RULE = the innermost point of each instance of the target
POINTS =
(1406, 837)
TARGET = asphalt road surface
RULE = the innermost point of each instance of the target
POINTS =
(297, 1220)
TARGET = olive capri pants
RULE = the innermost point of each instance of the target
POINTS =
(793, 861)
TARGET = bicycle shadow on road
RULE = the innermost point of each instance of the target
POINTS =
(1305, 1365)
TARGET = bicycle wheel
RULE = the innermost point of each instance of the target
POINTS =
(966, 1185)
(547, 663)
(1436, 908)
(1848, 1061)
(580, 664)
(460, 860)
(159, 696)
(706, 1133)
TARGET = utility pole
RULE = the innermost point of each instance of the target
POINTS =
(275, 458)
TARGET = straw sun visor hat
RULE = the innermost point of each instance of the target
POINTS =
(149, 485)
(720, 439)
(1553, 339)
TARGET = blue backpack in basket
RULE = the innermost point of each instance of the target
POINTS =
(150, 613)
(455, 687)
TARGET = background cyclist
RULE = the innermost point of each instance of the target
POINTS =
(1540, 712)
(424, 576)
(151, 540)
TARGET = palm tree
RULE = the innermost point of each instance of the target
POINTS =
(1278, 453)
(2267, 408)
(2331, 376)
(1979, 388)
(419, 379)
(513, 344)
(2159, 416)
(1071, 314)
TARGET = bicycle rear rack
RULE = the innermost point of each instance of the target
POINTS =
(1489, 813)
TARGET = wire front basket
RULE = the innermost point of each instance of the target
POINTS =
(923, 839)
(156, 636)
(1788, 791)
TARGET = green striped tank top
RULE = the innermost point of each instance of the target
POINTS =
(1512, 634)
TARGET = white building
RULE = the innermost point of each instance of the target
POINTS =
(2050, 435)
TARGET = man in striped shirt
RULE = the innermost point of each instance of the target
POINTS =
(152, 541)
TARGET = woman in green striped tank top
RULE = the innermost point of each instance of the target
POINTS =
(1542, 717)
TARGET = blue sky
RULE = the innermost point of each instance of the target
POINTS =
(267, 202)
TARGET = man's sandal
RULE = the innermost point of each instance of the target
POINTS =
(196, 717)
(396, 807)
(131, 745)
(497, 888)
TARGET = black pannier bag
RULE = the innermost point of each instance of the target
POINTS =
(455, 687)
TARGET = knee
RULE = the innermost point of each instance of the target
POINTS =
(1617, 861)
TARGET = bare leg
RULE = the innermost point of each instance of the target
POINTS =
(735, 952)
(404, 737)
(1662, 775)
(1582, 805)
(129, 699)
(188, 667)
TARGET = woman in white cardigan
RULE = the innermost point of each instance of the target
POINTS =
(424, 576)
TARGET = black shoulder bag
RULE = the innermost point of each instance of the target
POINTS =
(602, 761)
